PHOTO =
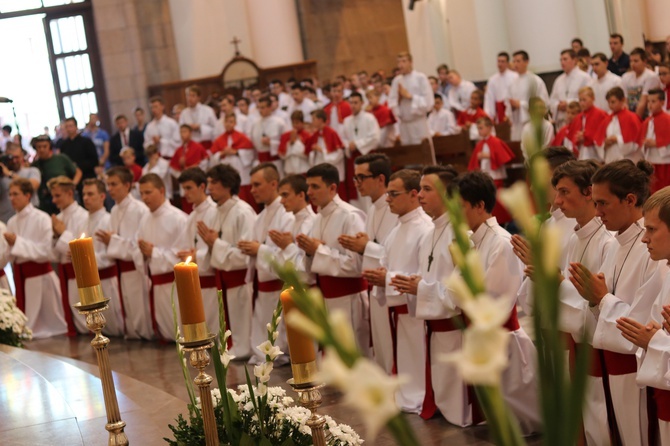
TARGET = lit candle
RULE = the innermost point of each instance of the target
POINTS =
(300, 346)
(191, 308)
(86, 270)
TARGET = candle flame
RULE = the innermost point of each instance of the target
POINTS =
(83, 235)
(188, 260)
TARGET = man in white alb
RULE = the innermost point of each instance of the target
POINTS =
(497, 90)
(460, 92)
(199, 116)
(525, 86)
(566, 86)
(162, 131)
(604, 81)
(266, 133)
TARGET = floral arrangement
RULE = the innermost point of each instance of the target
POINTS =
(13, 328)
(252, 414)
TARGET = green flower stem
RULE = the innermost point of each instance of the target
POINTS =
(401, 431)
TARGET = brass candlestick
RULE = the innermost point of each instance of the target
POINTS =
(199, 359)
(309, 397)
(95, 321)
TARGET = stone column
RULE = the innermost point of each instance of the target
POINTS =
(274, 32)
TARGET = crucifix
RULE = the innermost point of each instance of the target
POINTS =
(235, 42)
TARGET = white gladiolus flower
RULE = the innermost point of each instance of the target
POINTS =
(475, 266)
(275, 335)
(316, 297)
(458, 288)
(270, 350)
(261, 390)
(302, 323)
(371, 391)
(332, 370)
(342, 326)
(226, 335)
(517, 200)
(268, 327)
(262, 371)
(551, 253)
(456, 255)
(226, 358)
(487, 313)
(484, 356)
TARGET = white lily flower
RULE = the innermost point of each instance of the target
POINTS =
(372, 392)
(487, 313)
(268, 326)
(275, 335)
(302, 323)
(270, 350)
(458, 288)
(484, 356)
(456, 255)
(262, 371)
(342, 326)
(551, 253)
(517, 200)
(226, 358)
(261, 390)
(475, 266)
(226, 335)
(332, 370)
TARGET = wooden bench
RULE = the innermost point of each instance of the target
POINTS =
(410, 156)
(453, 149)
(504, 131)
(516, 169)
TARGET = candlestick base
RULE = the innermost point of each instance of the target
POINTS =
(303, 374)
(309, 397)
(199, 360)
(95, 321)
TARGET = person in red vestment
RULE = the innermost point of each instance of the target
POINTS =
(470, 116)
(584, 127)
(235, 148)
(293, 146)
(189, 154)
(622, 142)
(384, 116)
(490, 156)
(654, 139)
(337, 109)
(325, 146)
(128, 157)
(562, 137)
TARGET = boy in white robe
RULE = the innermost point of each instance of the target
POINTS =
(525, 86)
(157, 246)
(160, 166)
(603, 81)
(233, 221)
(68, 225)
(266, 133)
(431, 301)
(200, 117)
(441, 120)
(626, 286)
(121, 242)
(410, 99)
(566, 86)
(293, 193)
(193, 183)
(261, 249)
(400, 255)
(497, 89)
(162, 131)
(28, 242)
(371, 177)
(338, 270)
(93, 196)
(652, 339)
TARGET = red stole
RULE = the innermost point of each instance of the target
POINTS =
(343, 110)
(285, 140)
(137, 172)
(330, 138)
(501, 112)
(384, 116)
(628, 121)
(594, 116)
(500, 153)
(661, 129)
(563, 133)
(239, 140)
(195, 153)
(470, 116)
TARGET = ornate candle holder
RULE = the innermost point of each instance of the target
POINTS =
(95, 321)
(309, 397)
(199, 360)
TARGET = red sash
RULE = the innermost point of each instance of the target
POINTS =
(270, 286)
(65, 273)
(126, 266)
(156, 280)
(619, 363)
(229, 280)
(23, 272)
(662, 399)
(394, 312)
(208, 282)
(500, 111)
(266, 157)
(112, 272)
(334, 287)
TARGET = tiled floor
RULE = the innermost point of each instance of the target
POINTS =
(57, 400)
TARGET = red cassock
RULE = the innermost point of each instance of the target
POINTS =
(285, 140)
(343, 110)
(628, 121)
(194, 153)
(562, 134)
(501, 154)
(384, 116)
(239, 141)
(661, 176)
(470, 116)
(333, 142)
(594, 117)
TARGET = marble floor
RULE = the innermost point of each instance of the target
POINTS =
(53, 379)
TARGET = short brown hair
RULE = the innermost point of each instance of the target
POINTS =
(97, 183)
(122, 173)
(404, 54)
(61, 181)
(24, 185)
(269, 170)
(158, 99)
(661, 201)
(152, 178)
(580, 172)
(195, 89)
(411, 179)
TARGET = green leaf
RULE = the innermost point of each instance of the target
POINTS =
(246, 440)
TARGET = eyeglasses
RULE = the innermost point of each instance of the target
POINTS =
(394, 194)
(360, 177)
